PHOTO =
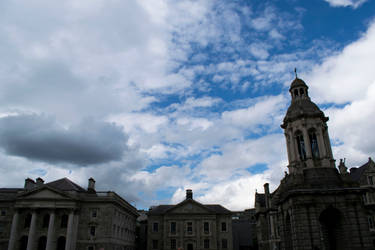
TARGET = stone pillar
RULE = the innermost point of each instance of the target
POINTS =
(75, 229)
(288, 147)
(306, 138)
(69, 231)
(32, 230)
(51, 230)
(13, 231)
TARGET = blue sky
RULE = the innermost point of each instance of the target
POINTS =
(154, 97)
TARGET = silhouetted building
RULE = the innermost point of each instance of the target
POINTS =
(61, 215)
(315, 206)
(244, 230)
(190, 225)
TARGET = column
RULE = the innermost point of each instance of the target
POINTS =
(32, 230)
(288, 146)
(51, 229)
(322, 146)
(75, 229)
(69, 231)
(13, 232)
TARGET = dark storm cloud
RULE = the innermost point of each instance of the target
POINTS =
(38, 137)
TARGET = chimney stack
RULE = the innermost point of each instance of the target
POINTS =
(39, 181)
(29, 183)
(267, 194)
(189, 194)
(91, 186)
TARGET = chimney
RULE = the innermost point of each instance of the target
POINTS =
(267, 194)
(91, 186)
(29, 183)
(189, 194)
(39, 181)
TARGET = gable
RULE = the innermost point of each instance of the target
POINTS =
(190, 207)
(45, 194)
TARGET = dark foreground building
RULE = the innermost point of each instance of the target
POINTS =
(61, 215)
(315, 206)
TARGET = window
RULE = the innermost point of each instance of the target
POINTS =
(296, 92)
(173, 244)
(173, 227)
(154, 244)
(155, 227)
(224, 243)
(90, 248)
(206, 227)
(27, 220)
(206, 243)
(94, 213)
(370, 180)
(64, 221)
(223, 226)
(189, 227)
(3, 212)
(45, 221)
(314, 145)
(92, 231)
(301, 146)
(371, 223)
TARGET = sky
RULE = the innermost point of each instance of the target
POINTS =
(153, 97)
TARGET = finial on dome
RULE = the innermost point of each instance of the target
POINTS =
(295, 72)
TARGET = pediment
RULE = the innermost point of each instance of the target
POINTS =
(45, 193)
(190, 207)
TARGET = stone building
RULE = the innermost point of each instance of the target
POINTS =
(189, 225)
(244, 230)
(315, 206)
(61, 215)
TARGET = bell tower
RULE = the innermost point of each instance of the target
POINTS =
(306, 132)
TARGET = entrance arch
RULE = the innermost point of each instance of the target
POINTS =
(61, 243)
(23, 242)
(42, 243)
(190, 246)
(331, 224)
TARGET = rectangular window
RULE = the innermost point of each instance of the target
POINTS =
(224, 243)
(206, 227)
(223, 226)
(92, 231)
(94, 213)
(173, 244)
(371, 223)
(154, 244)
(370, 180)
(155, 227)
(189, 228)
(206, 244)
(173, 227)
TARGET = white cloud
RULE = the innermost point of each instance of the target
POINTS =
(346, 3)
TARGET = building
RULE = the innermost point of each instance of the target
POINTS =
(315, 206)
(244, 230)
(189, 225)
(61, 215)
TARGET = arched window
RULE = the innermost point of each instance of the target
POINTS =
(314, 144)
(27, 220)
(64, 221)
(296, 92)
(301, 146)
(45, 221)
(301, 92)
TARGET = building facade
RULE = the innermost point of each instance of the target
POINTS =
(61, 215)
(315, 206)
(189, 225)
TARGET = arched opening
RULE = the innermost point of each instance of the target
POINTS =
(331, 225)
(61, 243)
(301, 92)
(295, 92)
(27, 220)
(190, 246)
(301, 146)
(288, 233)
(45, 221)
(42, 243)
(314, 144)
(23, 242)
(64, 221)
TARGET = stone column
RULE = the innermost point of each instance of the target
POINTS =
(51, 230)
(306, 138)
(322, 146)
(69, 231)
(75, 229)
(13, 232)
(32, 230)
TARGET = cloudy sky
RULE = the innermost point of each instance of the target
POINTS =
(151, 97)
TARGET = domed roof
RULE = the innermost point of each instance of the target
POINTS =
(303, 108)
(298, 83)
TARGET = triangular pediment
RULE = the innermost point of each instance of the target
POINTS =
(190, 207)
(45, 193)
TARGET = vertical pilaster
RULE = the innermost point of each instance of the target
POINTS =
(69, 231)
(32, 231)
(51, 229)
(307, 143)
(321, 144)
(13, 231)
